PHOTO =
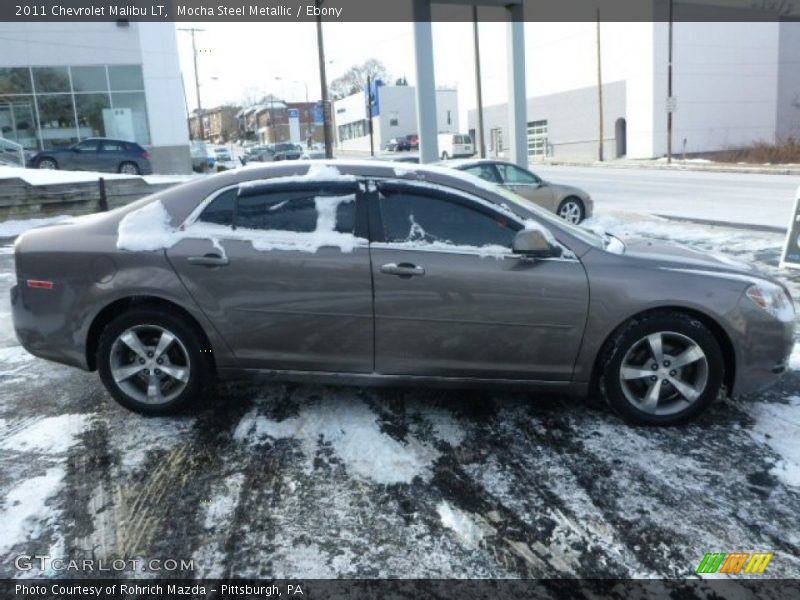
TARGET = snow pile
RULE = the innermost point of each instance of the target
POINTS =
(317, 171)
(57, 176)
(25, 511)
(14, 227)
(778, 426)
(352, 431)
(462, 524)
(51, 435)
(531, 225)
(148, 228)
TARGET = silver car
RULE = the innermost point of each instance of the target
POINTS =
(366, 273)
(570, 203)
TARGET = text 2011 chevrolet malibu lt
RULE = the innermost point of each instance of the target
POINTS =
(366, 273)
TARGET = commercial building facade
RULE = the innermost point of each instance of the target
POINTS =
(734, 84)
(394, 114)
(64, 82)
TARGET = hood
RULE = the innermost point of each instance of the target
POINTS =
(672, 254)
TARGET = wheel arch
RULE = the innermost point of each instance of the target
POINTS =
(119, 306)
(719, 333)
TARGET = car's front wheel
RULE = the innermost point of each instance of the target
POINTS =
(571, 210)
(153, 361)
(662, 369)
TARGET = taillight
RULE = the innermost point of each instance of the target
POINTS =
(146, 155)
(41, 284)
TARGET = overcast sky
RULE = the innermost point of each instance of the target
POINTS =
(236, 56)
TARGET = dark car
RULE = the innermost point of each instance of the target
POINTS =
(364, 273)
(273, 152)
(97, 154)
(397, 144)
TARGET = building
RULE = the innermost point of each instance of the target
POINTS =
(394, 114)
(64, 82)
(734, 83)
(220, 124)
(275, 121)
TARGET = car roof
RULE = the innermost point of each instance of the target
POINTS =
(461, 163)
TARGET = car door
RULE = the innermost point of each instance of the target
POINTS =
(110, 156)
(83, 156)
(284, 275)
(452, 300)
(526, 184)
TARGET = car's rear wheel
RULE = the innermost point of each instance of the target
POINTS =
(152, 361)
(129, 168)
(662, 369)
(47, 163)
(571, 210)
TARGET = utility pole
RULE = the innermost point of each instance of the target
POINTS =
(478, 86)
(192, 31)
(599, 89)
(323, 82)
(669, 88)
(369, 117)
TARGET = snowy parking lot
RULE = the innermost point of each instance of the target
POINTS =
(280, 480)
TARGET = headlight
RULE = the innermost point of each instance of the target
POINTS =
(773, 299)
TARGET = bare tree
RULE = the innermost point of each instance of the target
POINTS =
(355, 78)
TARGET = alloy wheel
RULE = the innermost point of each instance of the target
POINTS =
(129, 169)
(150, 364)
(571, 212)
(47, 163)
(664, 373)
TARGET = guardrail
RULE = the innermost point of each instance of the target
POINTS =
(11, 153)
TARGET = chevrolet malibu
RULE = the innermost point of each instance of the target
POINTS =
(365, 273)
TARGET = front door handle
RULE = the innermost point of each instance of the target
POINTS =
(209, 260)
(403, 270)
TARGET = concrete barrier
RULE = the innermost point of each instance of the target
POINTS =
(20, 199)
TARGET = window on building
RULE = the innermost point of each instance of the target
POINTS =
(15, 81)
(409, 216)
(449, 118)
(49, 80)
(126, 78)
(57, 120)
(537, 138)
(394, 119)
(18, 121)
(89, 79)
(90, 109)
(136, 103)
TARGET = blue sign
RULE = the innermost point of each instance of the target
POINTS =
(374, 96)
(294, 113)
(318, 114)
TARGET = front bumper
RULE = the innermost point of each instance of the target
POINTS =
(763, 353)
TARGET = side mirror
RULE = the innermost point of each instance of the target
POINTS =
(534, 244)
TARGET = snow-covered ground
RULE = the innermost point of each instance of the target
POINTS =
(279, 480)
(51, 177)
(751, 199)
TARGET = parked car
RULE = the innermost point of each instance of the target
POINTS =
(397, 144)
(273, 152)
(413, 141)
(570, 203)
(351, 272)
(455, 145)
(96, 154)
(222, 154)
(203, 159)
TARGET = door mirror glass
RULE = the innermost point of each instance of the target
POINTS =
(534, 243)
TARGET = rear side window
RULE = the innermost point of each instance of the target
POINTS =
(301, 211)
(113, 146)
(484, 172)
(409, 216)
(220, 210)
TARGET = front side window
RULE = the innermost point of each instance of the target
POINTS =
(220, 210)
(413, 217)
(88, 146)
(514, 175)
(485, 172)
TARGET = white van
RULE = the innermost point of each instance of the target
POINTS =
(455, 145)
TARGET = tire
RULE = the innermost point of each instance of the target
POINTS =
(445, 156)
(190, 368)
(129, 168)
(571, 210)
(664, 395)
(47, 163)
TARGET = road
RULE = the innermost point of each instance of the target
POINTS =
(307, 481)
(743, 198)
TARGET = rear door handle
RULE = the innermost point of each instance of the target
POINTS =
(404, 270)
(209, 260)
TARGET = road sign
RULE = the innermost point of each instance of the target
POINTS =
(791, 248)
(672, 104)
(294, 113)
